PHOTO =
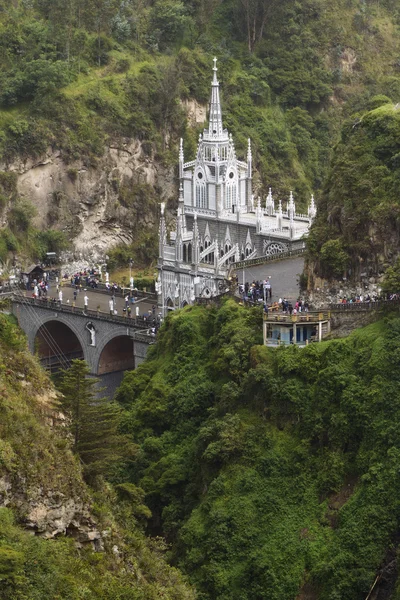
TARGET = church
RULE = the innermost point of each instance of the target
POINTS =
(219, 222)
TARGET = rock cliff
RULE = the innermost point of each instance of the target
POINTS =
(101, 205)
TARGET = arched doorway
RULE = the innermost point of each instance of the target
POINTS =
(56, 344)
(117, 355)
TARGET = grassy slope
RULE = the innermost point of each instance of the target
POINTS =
(34, 456)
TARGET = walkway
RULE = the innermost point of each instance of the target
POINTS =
(98, 299)
(284, 276)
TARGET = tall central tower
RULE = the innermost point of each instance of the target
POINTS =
(216, 181)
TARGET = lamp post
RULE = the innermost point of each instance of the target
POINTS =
(130, 274)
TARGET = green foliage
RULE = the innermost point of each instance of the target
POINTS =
(268, 468)
(20, 216)
(391, 282)
(79, 73)
(334, 259)
(36, 460)
(361, 199)
(94, 422)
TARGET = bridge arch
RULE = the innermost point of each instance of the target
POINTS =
(116, 355)
(54, 336)
(113, 342)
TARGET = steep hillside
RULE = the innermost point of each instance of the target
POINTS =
(357, 228)
(94, 96)
(272, 473)
(57, 540)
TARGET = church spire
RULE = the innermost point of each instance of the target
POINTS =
(181, 159)
(312, 210)
(162, 235)
(215, 118)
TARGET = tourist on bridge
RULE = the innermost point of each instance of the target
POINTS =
(111, 306)
(126, 300)
(85, 303)
(60, 297)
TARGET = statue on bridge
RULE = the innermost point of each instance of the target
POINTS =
(91, 329)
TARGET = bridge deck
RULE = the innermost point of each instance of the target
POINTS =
(133, 321)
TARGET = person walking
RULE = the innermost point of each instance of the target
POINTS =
(85, 302)
(60, 297)
(111, 306)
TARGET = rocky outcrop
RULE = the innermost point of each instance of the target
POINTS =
(87, 202)
(50, 513)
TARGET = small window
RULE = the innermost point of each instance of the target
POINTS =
(231, 175)
(200, 175)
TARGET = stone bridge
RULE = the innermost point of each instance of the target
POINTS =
(60, 333)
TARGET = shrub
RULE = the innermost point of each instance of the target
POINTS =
(334, 259)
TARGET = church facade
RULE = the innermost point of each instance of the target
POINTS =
(219, 221)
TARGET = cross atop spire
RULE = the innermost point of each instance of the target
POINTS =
(215, 128)
(215, 69)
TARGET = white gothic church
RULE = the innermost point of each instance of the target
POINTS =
(219, 221)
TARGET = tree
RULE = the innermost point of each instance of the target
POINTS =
(391, 283)
(94, 422)
(255, 13)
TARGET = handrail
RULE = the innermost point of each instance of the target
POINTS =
(264, 259)
(303, 317)
(120, 293)
(134, 322)
(363, 306)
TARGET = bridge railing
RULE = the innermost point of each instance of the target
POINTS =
(136, 322)
(145, 336)
(120, 292)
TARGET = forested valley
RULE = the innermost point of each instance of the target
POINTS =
(222, 469)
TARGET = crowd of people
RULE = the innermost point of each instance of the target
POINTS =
(41, 288)
(257, 291)
(356, 299)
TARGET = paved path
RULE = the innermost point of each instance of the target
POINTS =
(96, 299)
(284, 276)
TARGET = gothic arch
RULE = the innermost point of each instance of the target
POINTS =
(230, 189)
(200, 189)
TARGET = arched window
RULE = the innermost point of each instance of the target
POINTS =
(184, 253)
(189, 253)
(200, 191)
(230, 194)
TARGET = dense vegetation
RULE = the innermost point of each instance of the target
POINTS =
(36, 462)
(77, 74)
(270, 471)
(357, 227)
